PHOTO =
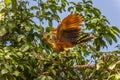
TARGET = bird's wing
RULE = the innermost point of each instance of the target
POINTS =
(69, 28)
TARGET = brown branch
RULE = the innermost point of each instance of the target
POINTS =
(83, 66)
(87, 66)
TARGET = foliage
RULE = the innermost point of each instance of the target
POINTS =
(25, 56)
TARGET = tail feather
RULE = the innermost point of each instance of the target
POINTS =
(85, 40)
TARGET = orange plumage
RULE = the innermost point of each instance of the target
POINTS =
(66, 34)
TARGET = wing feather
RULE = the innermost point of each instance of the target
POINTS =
(69, 28)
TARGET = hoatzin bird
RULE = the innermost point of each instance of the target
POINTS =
(66, 34)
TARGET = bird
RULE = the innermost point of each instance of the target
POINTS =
(66, 34)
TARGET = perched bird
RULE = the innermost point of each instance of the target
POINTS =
(66, 34)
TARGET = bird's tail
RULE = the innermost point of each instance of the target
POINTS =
(85, 38)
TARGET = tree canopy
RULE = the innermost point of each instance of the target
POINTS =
(25, 56)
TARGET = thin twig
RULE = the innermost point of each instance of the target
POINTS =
(84, 66)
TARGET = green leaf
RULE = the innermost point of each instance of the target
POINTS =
(24, 48)
(8, 67)
(34, 8)
(2, 16)
(28, 28)
(48, 29)
(96, 12)
(104, 19)
(21, 67)
(22, 76)
(7, 3)
(99, 64)
(117, 76)
(99, 42)
(16, 73)
(108, 38)
(113, 36)
(10, 26)
(4, 71)
(53, 71)
(3, 31)
(89, 1)
(71, 8)
(1, 5)
(103, 44)
(116, 29)
(84, 1)
(49, 78)
(20, 37)
(39, 28)
(6, 49)
(42, 77)
(20, 54)
(7, 57)
(112, 66)
(14, 5)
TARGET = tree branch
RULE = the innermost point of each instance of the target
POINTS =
(84, 66)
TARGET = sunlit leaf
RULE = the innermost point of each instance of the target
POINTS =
(54, 72)
(28, 28)
(19, 54)
(7, 3)
(49, 78)
(112, 66)
(20, 37)
(116, 29)
(42, 77)
(16, 73)
(6, 49)
(7, 57)
(24, 48)
(3, 31)
(2, 16)
(99, 64)
(117, 76)
(4, 71)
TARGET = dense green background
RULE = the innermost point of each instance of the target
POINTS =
(25, 56)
